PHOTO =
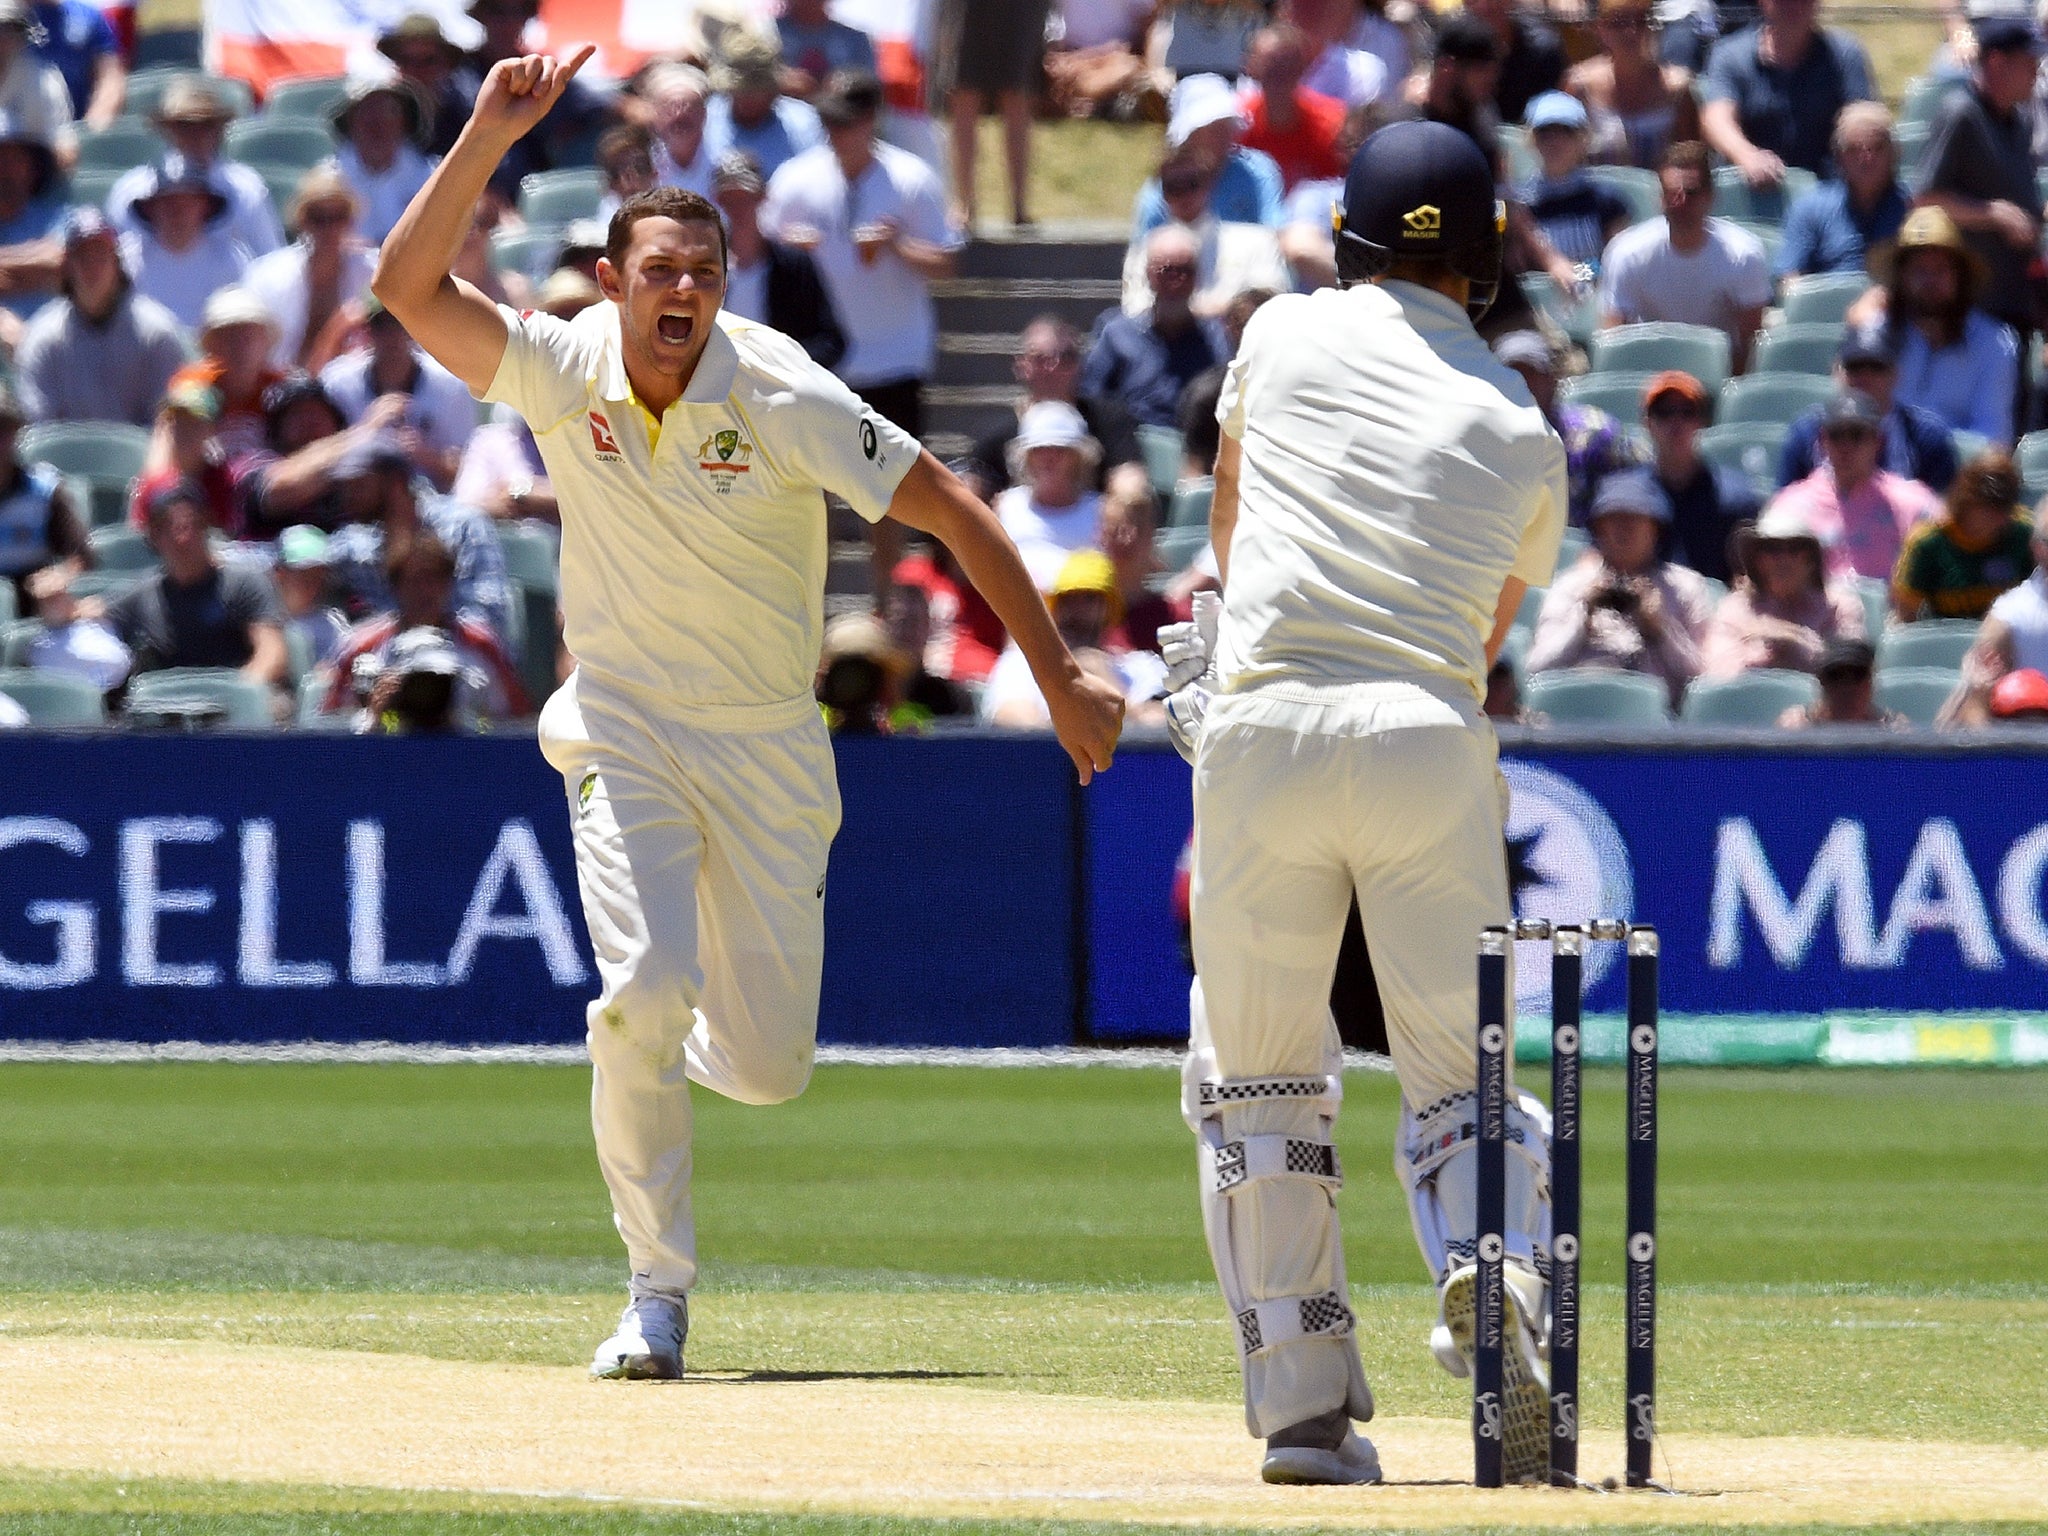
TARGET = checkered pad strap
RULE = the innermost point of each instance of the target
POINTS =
(1286, 1318)
(1244, 1090)
(1239, 1163)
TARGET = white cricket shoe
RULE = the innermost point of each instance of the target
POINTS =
(1525, 1379)
(1321, 1451)
(648, 1343)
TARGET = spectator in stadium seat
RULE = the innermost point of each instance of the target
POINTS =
(1595, 444)
(76, 640)
(1958, 565)
(557, 140)
(926, 695)
(440, 412)
(32, 92)
(861, 670)
(1242, 186)
(1048, 367)
(1835, 226)
(815, 47)
(1846, 673)
(1457, 85)
(1638, 104)
(1201, 435)
(1050, 511)
(1295, 128)
(1086, 608)
(2012, 638)
(236, 338)
(185, 448)
(1688, 266)
(766, 280)
(308, 286)
(79, 43)
(192, 119)
(502, 474)
(427, 61)
(1577, 214)
(873, 218)
(31, 224)
(748, 113)
(1307, 239)
(421, 588)
(1980, 167)
(39, 526)
(1861, 512)
(383, 504)
(291, 478)
(677, 96)
(196, 611)
(1229, 257)
(966, 635)
(1783, 609)
(382, 126)
(1145, 362)
(625, 156)
(1127, 534)
(1916, 445)
(302, 577)
(181, 252)
(1531, 57)
(1620, 607)
(1708, 501)
(101, 351)
(1772, 91)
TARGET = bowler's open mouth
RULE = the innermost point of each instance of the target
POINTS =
(676, 328)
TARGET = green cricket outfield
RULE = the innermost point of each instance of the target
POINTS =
(288, 1298)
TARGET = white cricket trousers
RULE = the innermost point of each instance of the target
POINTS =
(700, 854)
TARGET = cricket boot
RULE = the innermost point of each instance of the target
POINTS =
(648, 1343)
(1321, 1450)
(1525, 1375)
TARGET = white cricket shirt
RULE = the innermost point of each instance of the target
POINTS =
(693, 557)
(1394, 475)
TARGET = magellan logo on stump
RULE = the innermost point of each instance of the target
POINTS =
(723, 455)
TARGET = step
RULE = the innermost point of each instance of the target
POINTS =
(977, 357)
(1099, 257)
(974, 410)
(1009, 304)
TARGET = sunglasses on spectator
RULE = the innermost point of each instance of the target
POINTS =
(1173, 269)
(1673, 410)
(324, 218)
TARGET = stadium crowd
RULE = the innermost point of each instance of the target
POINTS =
(1788, 337)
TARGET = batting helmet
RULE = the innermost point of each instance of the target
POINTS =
(1422, 191)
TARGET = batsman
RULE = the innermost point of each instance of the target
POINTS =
(1385, 494)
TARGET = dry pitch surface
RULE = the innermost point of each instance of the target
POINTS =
(188, 1410)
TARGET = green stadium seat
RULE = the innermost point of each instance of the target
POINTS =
(1876, 596)
(1716, 589)
(102, 500)
(1753, 699)
(1749, 447)
(1823, 296)
(281, 179)
(288, 141)
(1578, 318)
(309, 96)
(1164, 450)
(1735, 198)
(1645, 197)
(1178, 547)
(122, 547)
(531, 250)
(104, 583)
(146, 89)
(54, 698)
(1699, 350)
(120, 146)
(1911, 140)
(536, 650)
(7, 604)
(1772, 397)
(1572, 545)
(1595, 696)
(1967, 444)
(1916, 692)
(101, 449)
(1532, 605)
(1805, 348)
(2031, 455)
(1921, 101)
(1620, 395)
(1769, 234)
(244, 704)
(1518, 153)
(90, 185)
(15, 639)
(1191, 503)
(530, 556)
(1928, 643)
(556, 197)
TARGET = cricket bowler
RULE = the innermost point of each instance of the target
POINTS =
(690, 451)
(1385, 493)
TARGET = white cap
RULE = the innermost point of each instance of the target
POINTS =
(1052, 424)
(1198, 101)
(235, 305)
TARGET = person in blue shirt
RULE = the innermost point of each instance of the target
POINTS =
(1772, 92)
(1205, 125)
(78, 40)
(1915, 442)
(749, 113)
(1576, 213)
(1834, 227)
(1144, 363)
(31, 220)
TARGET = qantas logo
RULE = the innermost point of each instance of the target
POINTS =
(602, 441)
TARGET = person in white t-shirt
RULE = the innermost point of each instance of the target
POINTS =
(33, 95)
(1086, 606)
(689, 452)
(1053, 509)
(1687, 266)
(873, 218)
(438, 409)
(308, 283)
(382, 126)
(1385, 493)
(177, 254)
(679, 95)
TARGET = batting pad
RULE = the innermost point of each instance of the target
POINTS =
(1270, 1176)
(1437, 1160)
